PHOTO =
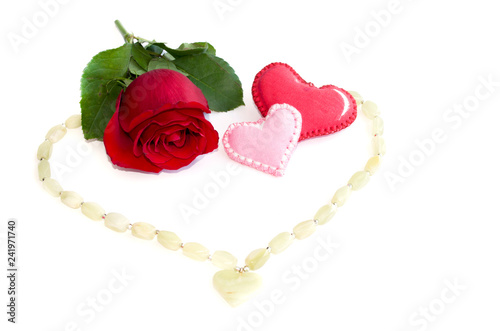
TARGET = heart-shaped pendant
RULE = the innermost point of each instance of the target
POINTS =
(324, 110)
(236, 287)
(266, 144)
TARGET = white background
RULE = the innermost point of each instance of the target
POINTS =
(400, 244)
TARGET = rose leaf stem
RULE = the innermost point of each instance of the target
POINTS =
(142, 40)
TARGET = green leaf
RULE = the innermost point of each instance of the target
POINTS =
(100, 88)
(126, 82)
(192, 48)
(216, 79)
(162, 63)
(155, 48)
(135, 68)
(141, 55)
(210, 49)
(188, 49)
(101, 97)
(109, 64)
(159, 49)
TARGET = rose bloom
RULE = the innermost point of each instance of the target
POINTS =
(159, 123)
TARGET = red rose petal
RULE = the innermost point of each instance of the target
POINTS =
(211, 135)
(153, 134)
(202, 144)
(169, 121)
(173, 137)
(119, 147)
(156, 91)
(156, 157)
(164, 118)
(181, 140)
(159, 123)
(186, 151)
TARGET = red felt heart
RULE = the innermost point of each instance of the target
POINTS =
(324, 110)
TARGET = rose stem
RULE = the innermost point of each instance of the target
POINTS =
(128, 37)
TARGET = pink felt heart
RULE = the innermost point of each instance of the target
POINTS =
(324, 110)
(268, 143)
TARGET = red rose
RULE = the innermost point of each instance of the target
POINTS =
(159, 123)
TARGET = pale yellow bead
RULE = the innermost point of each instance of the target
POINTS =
(373, 164)
(74, 121)
(224, 260)
(43, 169)
(116, 222)
(359, 180)
(52, 186)
(257, 258)
(169, 240)
(340, 197)
(325, 213)
(44, 150)
(357, 97)
(370, 109)
(143, 230)
(236, 287)
(56, 133)
(71, 199)
(379, 145)
(196, 251)
(378, 126)
(93, 211)
(281, 242)
(304, 229)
